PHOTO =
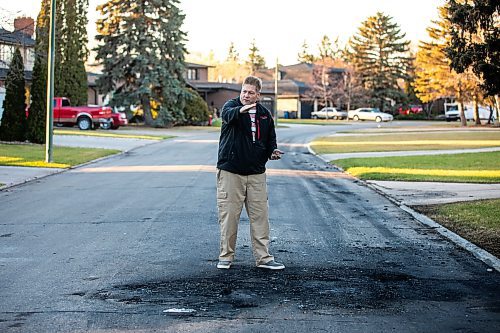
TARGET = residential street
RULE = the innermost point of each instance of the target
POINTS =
(130, 244)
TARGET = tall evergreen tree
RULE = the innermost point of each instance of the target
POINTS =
(329, 50)
(434, 78)
(380, 54)
(142, 52)
(255, 60)
(37, 119)
(474, 43)
(232, 54)
(304, 55)
(70, 77)
(14, 126)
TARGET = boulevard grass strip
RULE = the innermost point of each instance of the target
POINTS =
(465, 168)
(406, 142)
(31, 155)
(111, 135)
(312, 121)
(476, 221)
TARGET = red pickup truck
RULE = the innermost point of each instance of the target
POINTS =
(86, 117)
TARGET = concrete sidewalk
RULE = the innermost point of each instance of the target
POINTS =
(332, 157)
(431, 193)
(425, 193)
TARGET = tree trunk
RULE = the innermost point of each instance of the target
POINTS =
(461, 110)
(477, 120)
(146, 108)
(497, 102)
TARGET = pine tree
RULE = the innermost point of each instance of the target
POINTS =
(70, 77)
(232, 54)
(14, 126)
(142, 52)
(475, 33)
(37, 118)
(255, 60)
(329, 50)
(380, 54)
(434, 78)
(304, 55)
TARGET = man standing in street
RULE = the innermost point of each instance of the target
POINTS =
(247, 142)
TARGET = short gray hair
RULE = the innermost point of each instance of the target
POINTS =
(254, 81)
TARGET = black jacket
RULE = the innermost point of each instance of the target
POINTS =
(237, 153)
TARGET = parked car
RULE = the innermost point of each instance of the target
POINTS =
(117, 119)
(410, 109)
(85, 117)
(369, 114)
(329, 113)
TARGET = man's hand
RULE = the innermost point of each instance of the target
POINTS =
(245, 108)
(276, 155)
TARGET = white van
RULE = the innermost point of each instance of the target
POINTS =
(452, 114)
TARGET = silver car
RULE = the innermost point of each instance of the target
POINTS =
(329, 113)
(369, 114)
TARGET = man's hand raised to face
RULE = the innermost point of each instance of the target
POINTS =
(245, 108)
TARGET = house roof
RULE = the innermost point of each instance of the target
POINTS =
(92, 78)
(28, 75)
(15, 38)
(295, 79)
(193, 65)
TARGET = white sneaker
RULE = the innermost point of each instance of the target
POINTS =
(224, 264)
(272, 265)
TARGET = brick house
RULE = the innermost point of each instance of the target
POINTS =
(22, 38)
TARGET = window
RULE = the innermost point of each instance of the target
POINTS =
(6, 52)
(192, 74)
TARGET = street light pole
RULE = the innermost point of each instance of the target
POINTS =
(50, 84)
(276, 91)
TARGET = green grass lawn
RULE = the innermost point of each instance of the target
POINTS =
(31, 155)
(467, 167)
(476, 221)
(406, 141)
(111, 134)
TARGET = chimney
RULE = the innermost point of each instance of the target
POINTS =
(25, 25)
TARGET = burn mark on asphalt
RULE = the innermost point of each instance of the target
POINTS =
(6, 235)
(305, 288)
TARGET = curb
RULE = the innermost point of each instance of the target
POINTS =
(109, 157)
(483, 255)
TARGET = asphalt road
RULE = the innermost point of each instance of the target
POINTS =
(130, 244)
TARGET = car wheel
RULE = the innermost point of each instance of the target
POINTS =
(378, 119)
(314, 117)
(84, 123)
(355, 118)
(107, 125)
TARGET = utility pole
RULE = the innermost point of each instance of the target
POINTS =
(50, 84)
(276, 91)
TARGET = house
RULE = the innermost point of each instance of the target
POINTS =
(22, 38)
(217, 93)
(294, 82)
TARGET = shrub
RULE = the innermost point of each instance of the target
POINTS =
(411, 116)
(196, 109)
(14, 124)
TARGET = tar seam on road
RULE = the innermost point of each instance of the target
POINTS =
(475, 250)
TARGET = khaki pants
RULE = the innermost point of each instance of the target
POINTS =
(232, 191)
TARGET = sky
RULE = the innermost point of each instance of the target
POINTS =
(279, 27)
